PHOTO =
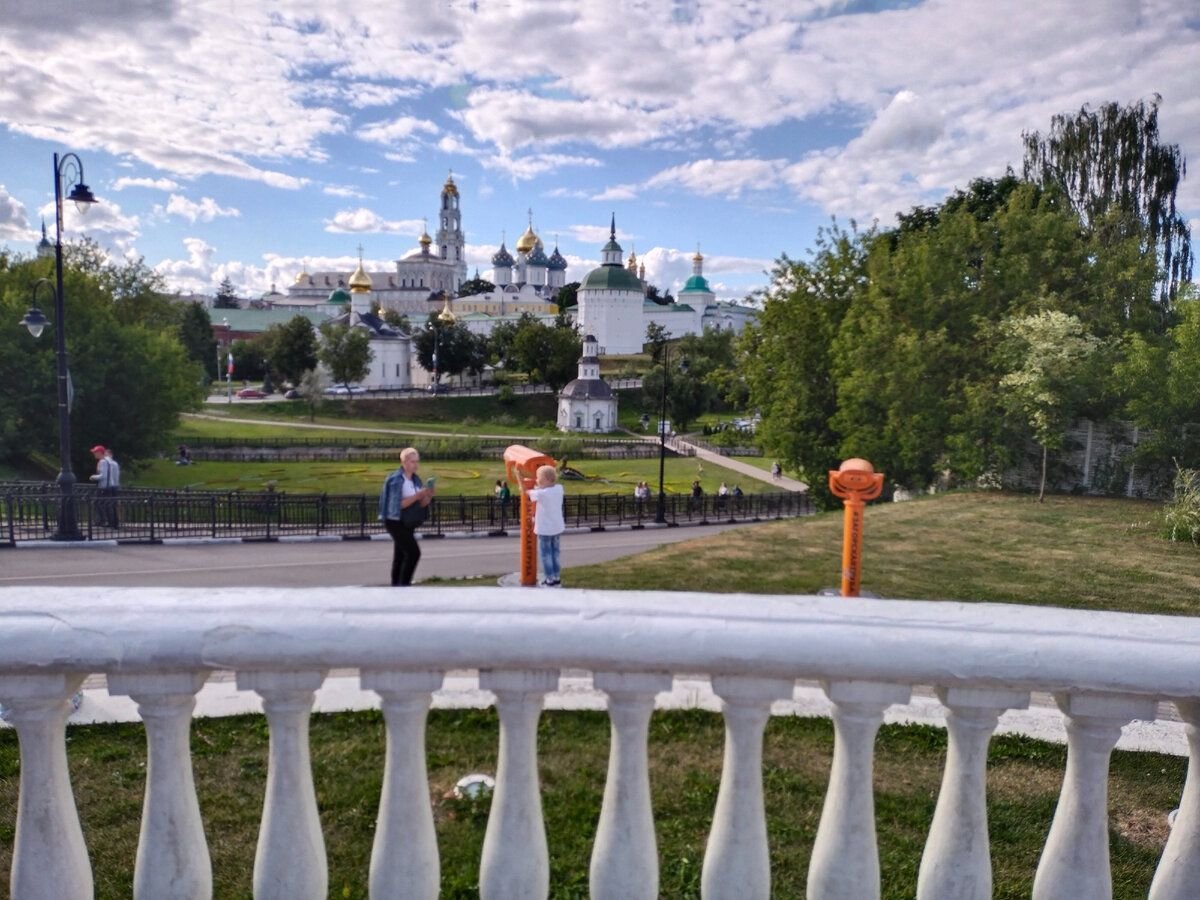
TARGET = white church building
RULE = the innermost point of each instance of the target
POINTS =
(587, 403)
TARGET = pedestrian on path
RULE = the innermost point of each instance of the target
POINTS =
(548, 523)
(108, 483)
(776, 471)
(403, 505)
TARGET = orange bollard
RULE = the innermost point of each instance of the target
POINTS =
(521, 465)
(855, 482)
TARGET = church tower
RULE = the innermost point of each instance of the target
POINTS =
(451, 243)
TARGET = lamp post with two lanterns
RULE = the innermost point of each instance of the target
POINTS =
(67, 169)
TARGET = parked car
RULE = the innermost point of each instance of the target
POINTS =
(250, 394)
(291, 394)
(341, 390)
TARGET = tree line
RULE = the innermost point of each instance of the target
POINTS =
(945, 347)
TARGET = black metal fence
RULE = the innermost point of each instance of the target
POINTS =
(29, 512)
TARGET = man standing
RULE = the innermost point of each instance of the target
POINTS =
(108, 483)
(403, 505)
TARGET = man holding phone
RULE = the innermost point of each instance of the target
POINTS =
(403, 505)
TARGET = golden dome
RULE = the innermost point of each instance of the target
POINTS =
(450, 187)
(697, 257)
(360, 281)
(425, 240)
(527, 241)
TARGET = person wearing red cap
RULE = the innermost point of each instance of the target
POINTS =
(108, 482)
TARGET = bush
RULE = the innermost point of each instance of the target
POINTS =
(1181, 515)
(505, 396)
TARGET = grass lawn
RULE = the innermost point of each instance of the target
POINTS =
(1091, 553)
(472, 478)
(463, 415)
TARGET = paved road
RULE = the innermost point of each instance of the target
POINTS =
(306, 564)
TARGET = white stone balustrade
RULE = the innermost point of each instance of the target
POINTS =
(625, 854)
(157, 645)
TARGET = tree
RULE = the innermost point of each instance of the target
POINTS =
(346, 352)
(196, 337)
(1049, 355)
(130, 382)
(500, 342)
(313, 384)
(656, 338)
(474, 286)
(291, 348)
(1111, 160)
(548, 354)
(226, 298)
(458, 349)
(568, 295)
(787, 356)
(396, 319)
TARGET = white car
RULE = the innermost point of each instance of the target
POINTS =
(342, 390)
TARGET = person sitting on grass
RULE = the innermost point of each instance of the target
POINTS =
(548, 522)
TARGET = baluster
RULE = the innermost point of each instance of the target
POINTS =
(516, 862)
(172, 857)
(404, 857)
(737, 861)
(1075, 859)
(957, 860)
(845, 857)
(1178, 875)
(625, 854)
(50, 859)
(289, 863)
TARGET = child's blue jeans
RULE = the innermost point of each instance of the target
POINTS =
(548, 551)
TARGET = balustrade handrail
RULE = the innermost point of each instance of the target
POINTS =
(913, 642)
(157, 646)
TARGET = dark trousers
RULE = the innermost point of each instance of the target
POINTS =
(106, 507)
(405, 551)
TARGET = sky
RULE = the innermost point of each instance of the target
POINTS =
(246, 140)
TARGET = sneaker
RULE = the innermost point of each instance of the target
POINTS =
(555, 583)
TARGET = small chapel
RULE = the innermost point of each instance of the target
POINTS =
(587, 403)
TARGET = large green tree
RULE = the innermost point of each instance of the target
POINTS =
(787, 356)
(458, 349)
(1122, 180)
(346, 352)
(1050, 359)
(129, 381)
(549, 354)
(291, 348)
(196, 336)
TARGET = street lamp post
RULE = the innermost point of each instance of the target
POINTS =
(446, 318)
(660, 514)
(67, 167)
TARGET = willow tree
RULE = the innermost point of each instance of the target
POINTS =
(1120, 178)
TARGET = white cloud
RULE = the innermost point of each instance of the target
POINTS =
(337, 190)
(363, 220)
(158, 184)
(617, 192)
(596, 234)
(728, 177)
(14, 222)
(204, 211)
(525, 168)
(102, 221)
(398, 129)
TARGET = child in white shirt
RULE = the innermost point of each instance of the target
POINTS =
(548, 522)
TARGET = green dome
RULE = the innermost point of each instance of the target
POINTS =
(339, 295)
(611, 278)
(696, 283)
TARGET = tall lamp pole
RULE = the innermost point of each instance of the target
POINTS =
(67, 168)
(660, 514)
(446, 318)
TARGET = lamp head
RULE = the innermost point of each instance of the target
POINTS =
(34, 321)
(81, 195)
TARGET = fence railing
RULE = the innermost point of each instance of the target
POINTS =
(159, 646)
(29, 512)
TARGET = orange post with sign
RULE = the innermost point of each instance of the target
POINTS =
(521, 465)
(855, 482)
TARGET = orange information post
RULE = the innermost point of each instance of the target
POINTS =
(521, 465)
(855, 481)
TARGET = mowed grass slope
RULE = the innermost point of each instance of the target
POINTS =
(1083, 552)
